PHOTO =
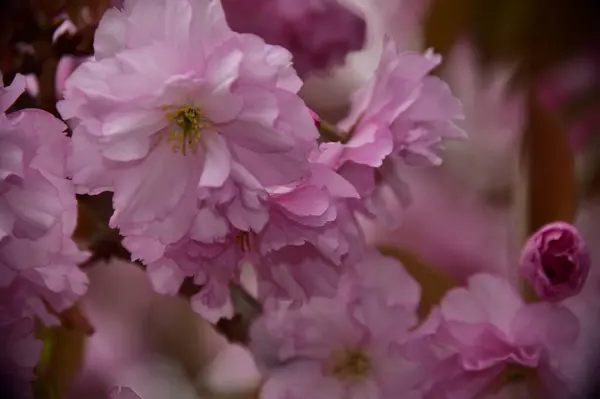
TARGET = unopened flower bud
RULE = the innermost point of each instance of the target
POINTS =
(555, 261)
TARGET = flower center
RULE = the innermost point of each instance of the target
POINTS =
(349, 363)
(558, 269)
(186, 125)
(244, 241)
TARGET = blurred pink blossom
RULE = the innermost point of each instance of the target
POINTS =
(38, 211)
(486, 328)
(318, 33)
(350, 346)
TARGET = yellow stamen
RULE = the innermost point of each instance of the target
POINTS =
(244, 240)
(349, 363)
(186, 125)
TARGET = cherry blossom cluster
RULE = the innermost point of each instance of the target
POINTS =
(39, 274)
(190, 114)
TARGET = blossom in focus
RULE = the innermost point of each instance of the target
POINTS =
(401, 114)
(352, 345)
(318, 33)
(38, 211)
(228, 113)
(556, 261)
(194, 147)
(19, 354)
(487, 336)
(297, 252)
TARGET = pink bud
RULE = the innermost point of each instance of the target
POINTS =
(556, 261)
(315, 118)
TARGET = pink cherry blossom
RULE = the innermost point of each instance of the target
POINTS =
(556, 261)
(318, 33)
(205, 151)
(399, 117)
(401, 111)
(297, 247)
(352, 345)
(486, 329)
(38, 211)
(472, 187)
(227, 113)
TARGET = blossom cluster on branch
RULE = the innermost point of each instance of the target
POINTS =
(189, 113)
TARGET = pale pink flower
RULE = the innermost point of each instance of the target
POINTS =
(218, 107)
(486, 330)
(556, 262)
(401, 111)
(297, 247)
(318, 33)
(353, 345)
(38, 211)
(20, 352)
(401, 115)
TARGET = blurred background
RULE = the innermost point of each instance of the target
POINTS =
(528, 74)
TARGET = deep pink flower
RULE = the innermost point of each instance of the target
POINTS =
(38, 211)
(318, 33)
(556, 261)
(485, 329)
(352, 345)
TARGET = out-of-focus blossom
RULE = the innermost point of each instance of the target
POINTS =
(402, 20)
(403, 113)
(19, 354)
(318, 33)
(486, 163)
(556, 261)
(38, 259)
(487, 335)
(123, 393)
(353, 345)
